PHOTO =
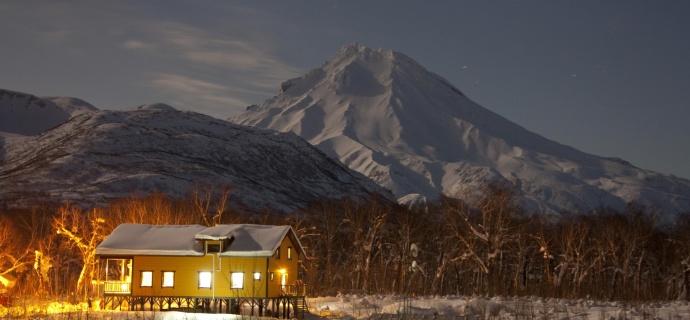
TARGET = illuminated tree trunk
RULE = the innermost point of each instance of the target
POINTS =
(84, 232)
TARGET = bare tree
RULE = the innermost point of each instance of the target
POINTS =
(410, 228)
(327, 247)
(41, 239)
(211, 204)
(14, 256)
(366, 223)
(83, 231)
(154, 209)
(485, 235)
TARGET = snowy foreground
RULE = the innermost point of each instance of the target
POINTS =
(361, 306)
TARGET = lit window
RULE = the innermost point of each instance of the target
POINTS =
(168, 279)
(147, 278)
(204, 279)
(257, 275)
(289, 253)
(236, 280)
(270, 276)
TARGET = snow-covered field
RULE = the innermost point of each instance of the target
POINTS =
(362, 306)
(496, 308)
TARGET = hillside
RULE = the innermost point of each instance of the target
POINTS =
(99, 156)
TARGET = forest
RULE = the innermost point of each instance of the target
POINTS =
(491, 248)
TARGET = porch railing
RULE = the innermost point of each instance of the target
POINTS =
(299, 290)
(117, 287)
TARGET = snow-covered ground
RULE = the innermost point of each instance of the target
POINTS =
(362, 306)
(498, 308)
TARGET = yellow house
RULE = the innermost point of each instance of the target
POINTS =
(225, 268)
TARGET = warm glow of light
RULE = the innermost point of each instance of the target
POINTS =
(282, 271)
(58, 308)
(147, 278)
(204, 279)
(168, 279)
(237, 280)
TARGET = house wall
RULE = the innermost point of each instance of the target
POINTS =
(187, 270)
(275, 265)
(187, 276)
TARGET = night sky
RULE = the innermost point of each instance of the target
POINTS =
(610, 78)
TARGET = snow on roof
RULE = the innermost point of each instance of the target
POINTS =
(146, 239)
(187, 240)
(251, 239)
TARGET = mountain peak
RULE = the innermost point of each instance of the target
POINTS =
(357, 50)
(358, 53)
(351, 48)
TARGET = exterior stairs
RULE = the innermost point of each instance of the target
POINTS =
(300, 308)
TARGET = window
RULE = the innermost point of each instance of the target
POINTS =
(236, 280)
(204, 279)
(168, 280)
(257, 275)
(118, 273)
(283, 278)
(210, 248)
(278, 253)
(118, 269)
(147, 278)
(270, 276)
(289, 253)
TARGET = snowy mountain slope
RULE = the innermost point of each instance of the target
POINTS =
(384, 115)
(99, 156)
(25, 114)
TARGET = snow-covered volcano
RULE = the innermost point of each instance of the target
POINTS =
(382, 114)
(99, 156)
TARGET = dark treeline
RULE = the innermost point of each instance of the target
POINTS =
(494, 249)
(448, 248)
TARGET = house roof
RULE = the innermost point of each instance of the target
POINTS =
(245, 240)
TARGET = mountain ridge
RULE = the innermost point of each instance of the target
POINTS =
(97, 157)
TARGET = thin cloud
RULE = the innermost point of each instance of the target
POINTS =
(202, 96)
(137, 45)
(225, 73)
(185, 84)
(225, 101)
(218, 50)
(56, 35)
(161, 54)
